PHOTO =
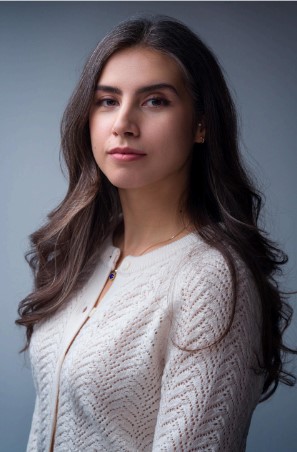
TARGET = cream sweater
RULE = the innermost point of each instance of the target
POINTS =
(126, 382)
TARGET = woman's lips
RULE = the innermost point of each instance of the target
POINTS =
(126, 154)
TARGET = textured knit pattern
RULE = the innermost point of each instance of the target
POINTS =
(149, 370)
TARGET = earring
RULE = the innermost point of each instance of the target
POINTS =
(202, 140)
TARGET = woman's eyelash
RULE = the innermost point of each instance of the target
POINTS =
(152, 101)
(158, 101)
(107, 102)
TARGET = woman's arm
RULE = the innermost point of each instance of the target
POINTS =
(32, 442)
(208, 396)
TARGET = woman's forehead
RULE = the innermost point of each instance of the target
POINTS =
(141, 66)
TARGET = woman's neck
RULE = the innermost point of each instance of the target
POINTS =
(151, 218)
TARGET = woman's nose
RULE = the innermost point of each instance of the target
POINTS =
(126, 123)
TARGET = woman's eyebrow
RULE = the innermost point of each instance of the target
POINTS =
(156, 87)
(108, 89)
(143, 89)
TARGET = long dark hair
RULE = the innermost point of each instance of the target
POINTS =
(222, 202)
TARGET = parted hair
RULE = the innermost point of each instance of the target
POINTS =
(221, 202)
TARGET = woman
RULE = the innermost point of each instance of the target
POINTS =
(156, 322)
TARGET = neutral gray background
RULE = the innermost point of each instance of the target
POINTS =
(43, 48)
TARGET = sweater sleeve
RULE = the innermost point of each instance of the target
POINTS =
(32, 442)
(209, 385)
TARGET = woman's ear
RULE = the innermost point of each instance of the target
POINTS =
(200, 132)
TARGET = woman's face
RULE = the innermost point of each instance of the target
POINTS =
(141, 121)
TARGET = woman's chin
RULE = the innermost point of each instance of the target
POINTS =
(127, 183)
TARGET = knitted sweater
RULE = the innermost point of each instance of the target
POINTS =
(148, 371)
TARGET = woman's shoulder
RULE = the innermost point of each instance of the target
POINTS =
(220, 262)
(211, 289)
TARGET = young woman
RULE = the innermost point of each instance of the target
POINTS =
(156, 323)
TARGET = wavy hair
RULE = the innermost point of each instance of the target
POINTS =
(222, 202)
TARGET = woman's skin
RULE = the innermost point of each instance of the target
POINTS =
(142, 132)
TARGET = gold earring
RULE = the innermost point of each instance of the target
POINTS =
(202, 140)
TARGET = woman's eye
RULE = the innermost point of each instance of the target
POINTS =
(157, 102)
(106, 102)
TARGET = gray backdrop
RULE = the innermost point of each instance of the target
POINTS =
(43, 48)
